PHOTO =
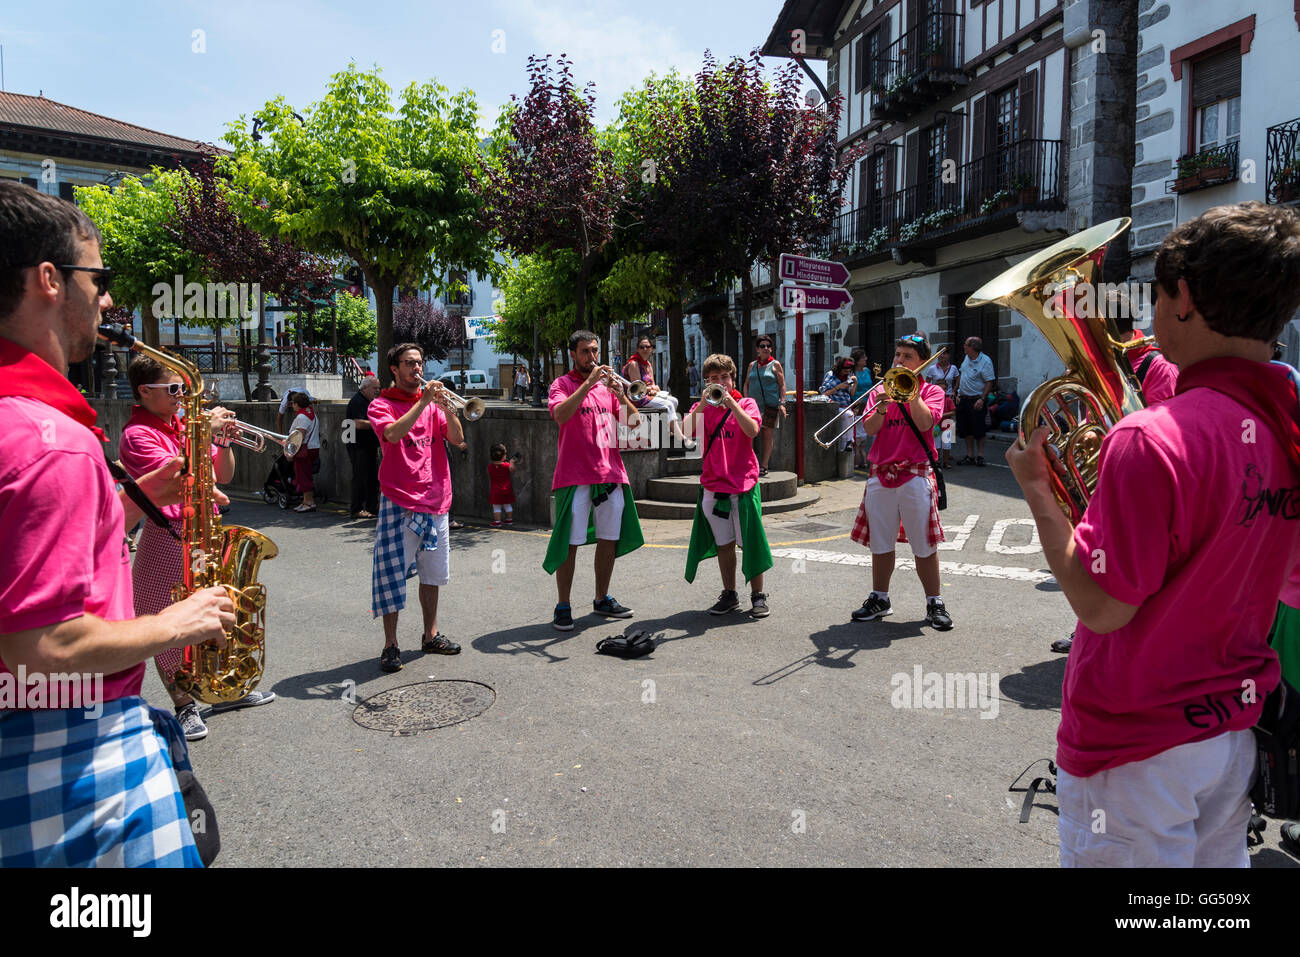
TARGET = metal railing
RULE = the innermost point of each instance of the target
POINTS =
(1283, 162)
(285, 360)
(934, 46)
(1209, 167)
(1024, 175)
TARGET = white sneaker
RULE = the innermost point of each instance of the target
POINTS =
(191, 723)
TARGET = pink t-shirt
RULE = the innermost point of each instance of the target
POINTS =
(1200, 529)
(588, 446)
(895, 442)
(148, 444)
(731, 465)
(1161, 377)
(63, 547)
(414, 473)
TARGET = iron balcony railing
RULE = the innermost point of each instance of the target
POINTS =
(1209, 167)
(1024, 175)
(1283, 162)
(921, 66)
(285, 360)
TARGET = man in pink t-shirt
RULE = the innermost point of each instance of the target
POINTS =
(729, 510)
(412, 420)
(1176, 566)
(87, 769)
(901, 500)
(592, 500)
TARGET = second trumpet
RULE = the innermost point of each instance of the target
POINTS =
(472, 408)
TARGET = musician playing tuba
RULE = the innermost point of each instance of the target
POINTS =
(154, 435)
(1174, 583)
(902, 490)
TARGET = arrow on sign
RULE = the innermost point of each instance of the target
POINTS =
(803, 269)
(812, 298)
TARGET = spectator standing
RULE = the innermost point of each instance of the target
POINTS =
(861, 441)
(975, 381)
(501, 489)
(287, 408)
(363, 451)
(693, 376)
(304, 462)
(765, 384)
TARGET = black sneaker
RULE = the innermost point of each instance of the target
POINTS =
(980, 461)
(937, 615)
(391, 659)
(610, 608)
(727, 601)
(874, 607)
(1062, 645)
(563, 620)
(758, 605)
(439, 645)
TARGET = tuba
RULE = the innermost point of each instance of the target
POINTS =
(1098, 388)
(214, 555)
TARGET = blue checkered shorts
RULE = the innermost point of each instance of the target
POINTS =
(86, 792)
(392, 566)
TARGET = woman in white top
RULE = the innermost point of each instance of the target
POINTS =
(304, 463)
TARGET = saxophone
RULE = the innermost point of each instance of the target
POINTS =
(214, 555)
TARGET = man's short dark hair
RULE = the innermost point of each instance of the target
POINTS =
(858, 353)
(584, 335)
(917, 342)
(1242, 266)
(395, 353)
(975, 342)
(37, 228)
(144, 370)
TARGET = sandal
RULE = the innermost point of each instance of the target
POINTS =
(305, 508)
(762, 472)
(966, 460)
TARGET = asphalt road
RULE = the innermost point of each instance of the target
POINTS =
(786, 741)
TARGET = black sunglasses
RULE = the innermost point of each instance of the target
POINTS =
(103, 276)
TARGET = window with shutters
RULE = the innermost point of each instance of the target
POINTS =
(1216, 99)
(936, 151)
(1006, 132)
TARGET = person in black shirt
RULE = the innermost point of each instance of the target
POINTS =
(364, 452)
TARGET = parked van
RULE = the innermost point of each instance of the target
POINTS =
(465, 379)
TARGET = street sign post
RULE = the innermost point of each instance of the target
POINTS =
(802, 269)
(813, 298)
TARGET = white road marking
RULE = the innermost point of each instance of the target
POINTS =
(1000, 528)
(958, 534)
(863, 558)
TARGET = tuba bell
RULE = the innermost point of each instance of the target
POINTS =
(1098, 387)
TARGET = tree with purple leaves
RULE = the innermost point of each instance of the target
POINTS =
(546, 181)
(428, 326)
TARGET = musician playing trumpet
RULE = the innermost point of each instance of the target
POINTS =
(901, 500)
(728, 510)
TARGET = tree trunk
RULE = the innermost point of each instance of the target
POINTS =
(244, 363)
(679, 383)
(383, 287)
(746, 304)
(580, 290)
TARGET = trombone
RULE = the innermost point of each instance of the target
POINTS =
(472, 408)
(900, 384)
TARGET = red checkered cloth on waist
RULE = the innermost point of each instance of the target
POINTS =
(893, 475)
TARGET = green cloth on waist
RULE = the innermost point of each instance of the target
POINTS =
(629, 533)
(756, 556)
(1285, 639)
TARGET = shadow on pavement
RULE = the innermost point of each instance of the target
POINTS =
(836, 645)
(1037, 687)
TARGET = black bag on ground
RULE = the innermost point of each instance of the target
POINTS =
(626, 646)
(1276, 791)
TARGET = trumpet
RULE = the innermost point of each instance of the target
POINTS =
(635, 390)
(255, 438)
(900, 384)
(472, 408)
(714, 394)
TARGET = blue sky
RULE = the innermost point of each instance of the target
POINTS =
(134, 61)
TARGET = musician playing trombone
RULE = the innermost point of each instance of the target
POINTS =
(728, 511)
(901, 500)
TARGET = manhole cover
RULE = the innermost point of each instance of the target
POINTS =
(411, 709)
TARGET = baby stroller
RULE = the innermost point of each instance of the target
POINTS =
(280, 488)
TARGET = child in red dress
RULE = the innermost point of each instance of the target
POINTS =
(501, 491)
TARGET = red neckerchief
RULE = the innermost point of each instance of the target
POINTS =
(736, 395)
(763, 362)
(308, 412)
(399, 395)
(636, 357)
(24, 373)
(1265, 389)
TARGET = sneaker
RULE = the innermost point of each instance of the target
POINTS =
(563, 620)
(758, 605)
(439, 645)
(191, 723)
(510, 521)
(937, 615)
(874, 607)
(496, 524)
(250, 700)
(1063, 645)
(391, 659)
(1291, 837)
(610, 608)
(727, 601)
(980, 461)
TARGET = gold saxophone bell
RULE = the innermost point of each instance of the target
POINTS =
(714, 394)
(1098, 388)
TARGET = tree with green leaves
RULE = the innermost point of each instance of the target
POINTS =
(536, 289)
(351, 176)
(357, 329)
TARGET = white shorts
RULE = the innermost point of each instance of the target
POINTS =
(725, 530)
(910, 502)
(662, 402)
(609, 516)
(1185, 807)
(433, 567)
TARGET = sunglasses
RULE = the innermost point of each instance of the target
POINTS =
(173, 388)
(912, 338)
(763, 345)
(102, 275)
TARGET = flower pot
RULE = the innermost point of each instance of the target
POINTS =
(1288, 192)
(1211, 174)
(1185, 184)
